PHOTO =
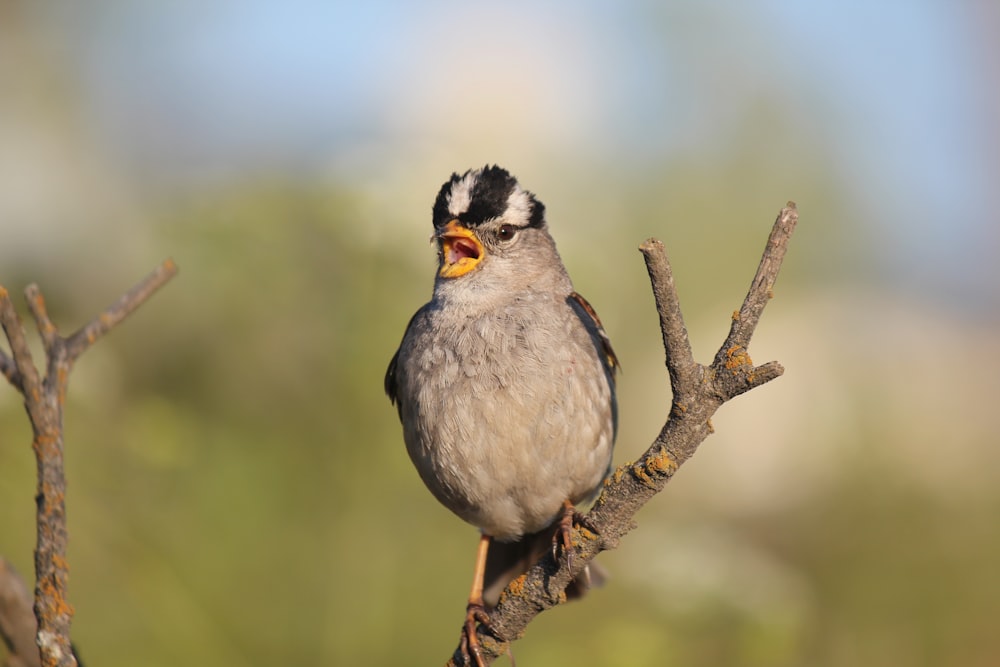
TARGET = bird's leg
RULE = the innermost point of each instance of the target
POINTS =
(564, 535)
(475, 611)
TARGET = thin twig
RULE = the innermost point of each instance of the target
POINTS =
(46, 329)
(761, 289)
(9, 370)
(44, 401)
(78, 342)
(698, 391)
(30, 383)
(681, 366)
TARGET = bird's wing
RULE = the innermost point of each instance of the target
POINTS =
(390, 378)
(609, 358)
(391, 385)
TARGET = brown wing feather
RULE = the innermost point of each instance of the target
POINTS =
(610, 358)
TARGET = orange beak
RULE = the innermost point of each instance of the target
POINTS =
(461, 250)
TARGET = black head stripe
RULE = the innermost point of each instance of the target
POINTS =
(487, 198)
(537, 212)
(441, 214)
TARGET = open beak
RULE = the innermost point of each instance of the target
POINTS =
(461, 251)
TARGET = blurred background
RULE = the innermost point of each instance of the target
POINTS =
(238, 489)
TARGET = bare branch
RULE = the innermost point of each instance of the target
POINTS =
(47, 330)
(681, 366)
(78, 342)
(9, 370)
(698, 391)
(761, 289)
(44, 401)
(27, 375)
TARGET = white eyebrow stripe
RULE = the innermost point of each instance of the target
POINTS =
(460, 196)
(519, 204)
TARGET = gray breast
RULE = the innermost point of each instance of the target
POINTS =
(506, 414)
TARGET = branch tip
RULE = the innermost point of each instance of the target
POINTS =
(650, 245)
(89, 334)
(36, 304)
(764, 373)
(762, 286)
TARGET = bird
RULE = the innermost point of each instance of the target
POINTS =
(504, 383)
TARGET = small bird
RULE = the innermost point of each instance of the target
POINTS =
(505, 384)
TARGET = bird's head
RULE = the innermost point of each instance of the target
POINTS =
(483, 216)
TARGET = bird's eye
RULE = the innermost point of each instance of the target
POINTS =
(506, 232)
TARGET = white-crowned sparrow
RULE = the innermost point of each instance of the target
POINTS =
(504, 381)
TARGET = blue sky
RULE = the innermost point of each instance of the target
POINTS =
(237, 74)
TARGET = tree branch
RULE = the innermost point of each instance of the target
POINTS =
(24, 371)
(78, 342)
(44, 401)
(698, 391)
(9, 370)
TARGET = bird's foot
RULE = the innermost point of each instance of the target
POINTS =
(564, 535)
(475, 615)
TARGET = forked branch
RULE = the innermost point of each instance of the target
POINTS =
(44, 398)
(698, 391)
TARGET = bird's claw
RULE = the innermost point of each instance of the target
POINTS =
(564, 535)
(475, 616)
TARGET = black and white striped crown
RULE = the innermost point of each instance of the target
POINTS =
(484, 194)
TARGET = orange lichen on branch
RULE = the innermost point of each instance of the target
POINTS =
(737, 357)
(617, 476)
(663, 463)
(52, 498)
(45, 443)
(639, 472)
(657, 465)
(584, 534)
(57, 605)
(516, 587)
